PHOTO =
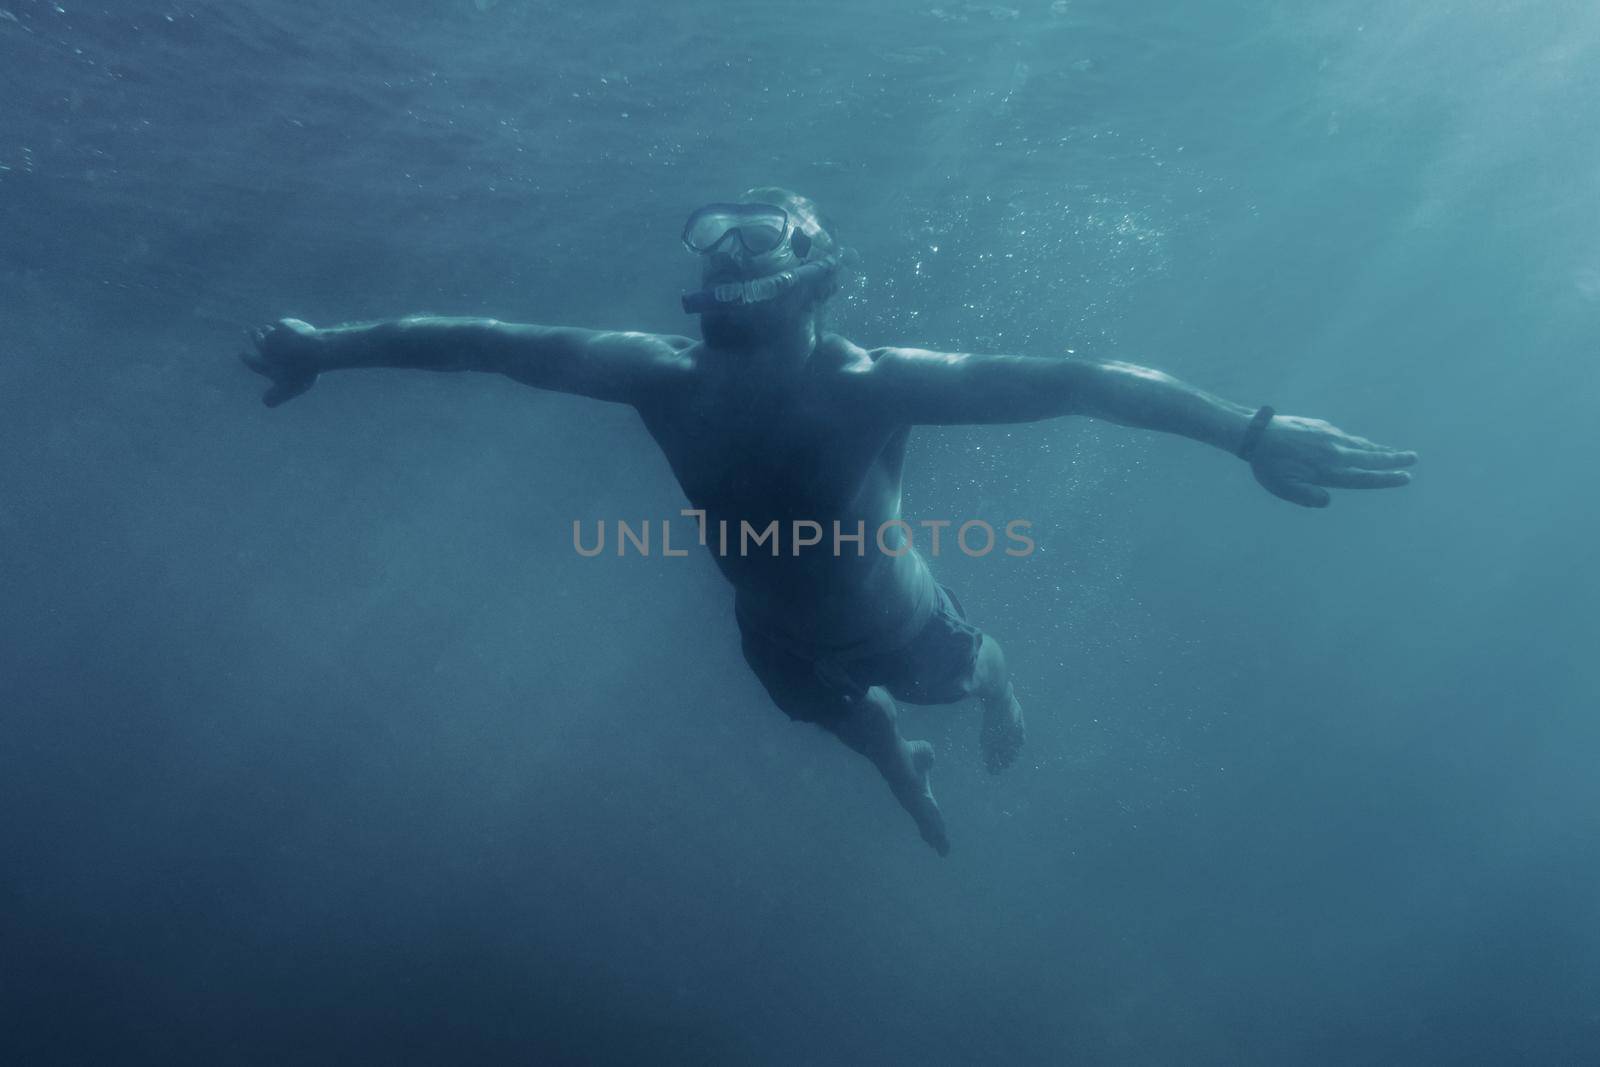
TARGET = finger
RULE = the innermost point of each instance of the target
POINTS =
(1307, 496)
(280, 394)
(1376, 459)
(283, 391)
(1353, 478)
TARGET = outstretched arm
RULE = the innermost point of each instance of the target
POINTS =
(606, 365)
(1295, 458)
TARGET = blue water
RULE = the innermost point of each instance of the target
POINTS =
(319, 744)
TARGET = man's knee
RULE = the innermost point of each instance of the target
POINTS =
(824, 711)
(804, 690)
(989, 673)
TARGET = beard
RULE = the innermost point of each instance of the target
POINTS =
(755, 325)
(734, 329)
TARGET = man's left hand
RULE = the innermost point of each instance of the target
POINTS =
(1297, 458)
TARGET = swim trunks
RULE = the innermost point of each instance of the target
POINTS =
(938, 666)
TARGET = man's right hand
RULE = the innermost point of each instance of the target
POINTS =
(287, 353)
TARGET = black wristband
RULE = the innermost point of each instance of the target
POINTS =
(1253, 432)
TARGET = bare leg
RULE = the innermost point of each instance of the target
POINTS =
(1003, 731)
(870, 729)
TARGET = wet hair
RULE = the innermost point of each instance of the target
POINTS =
(808, 219)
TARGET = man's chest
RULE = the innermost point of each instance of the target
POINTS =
(764, 457)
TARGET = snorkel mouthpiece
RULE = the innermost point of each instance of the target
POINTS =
(757, 290)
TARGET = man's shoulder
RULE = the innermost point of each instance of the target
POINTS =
(887, 364)
(851, 377)
(667, 354)
(662, 345)
(836, 353)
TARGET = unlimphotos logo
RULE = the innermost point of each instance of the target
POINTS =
(725, 537)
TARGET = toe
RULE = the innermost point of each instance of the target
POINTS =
(934, 834)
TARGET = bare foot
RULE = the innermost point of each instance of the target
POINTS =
(1003, 731)
(916, 796)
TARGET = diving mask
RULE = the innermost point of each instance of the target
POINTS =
(759, 229)
(750, 233)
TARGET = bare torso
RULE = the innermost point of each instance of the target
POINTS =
(758, 448)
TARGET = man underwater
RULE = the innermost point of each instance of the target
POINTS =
(767, 418)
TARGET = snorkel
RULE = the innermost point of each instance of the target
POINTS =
(766, 248)
(760, 290)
